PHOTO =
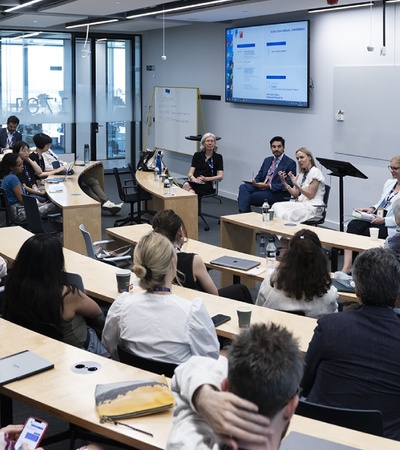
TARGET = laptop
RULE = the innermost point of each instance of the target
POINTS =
(235, 263)
(300, 441)
(22, 365)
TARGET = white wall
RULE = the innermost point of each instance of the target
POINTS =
(195, 57)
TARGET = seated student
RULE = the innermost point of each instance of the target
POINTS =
(91, 185)
(9, 136)
(308, 190)
(207, 167)
(42, 143)
(267, 185)
(157, 324)
(10, 167)
(39, 297)
(192, 272)
(301, 282)
(352, 359)
(245, 401)
(31, 171)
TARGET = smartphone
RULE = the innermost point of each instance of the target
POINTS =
(219, 319)
(32, 433)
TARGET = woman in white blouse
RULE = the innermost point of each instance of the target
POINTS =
(157, 324)
(301, 282)
(308, 190)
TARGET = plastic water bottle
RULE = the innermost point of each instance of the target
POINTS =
(264, 211)
(156, 174)
(271, 253)
(167, 187)
(158, 162)
(261, 248)
(86, 154)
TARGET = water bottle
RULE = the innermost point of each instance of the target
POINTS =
(158, 162)
(167, 187)
(264, 211)
(86, 154)
(261, 249)
(271, 253)
(156, 174)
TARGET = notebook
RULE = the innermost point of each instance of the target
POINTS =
(21, 365)
(300, 441)
(235, 263)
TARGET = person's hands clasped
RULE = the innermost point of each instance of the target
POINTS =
(232, 419)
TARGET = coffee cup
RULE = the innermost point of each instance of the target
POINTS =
(123, 280)
(374, 233)
(244, 317)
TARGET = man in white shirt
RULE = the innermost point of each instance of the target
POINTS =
(245, 401)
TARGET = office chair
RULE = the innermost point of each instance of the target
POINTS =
(92, 250)
(10, 220)
(158, 367)
(203, 215)
(319, 221)
(367, 421)
(35, 223)
(144, 196)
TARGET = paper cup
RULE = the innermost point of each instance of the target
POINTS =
(244, 317)
(123, 280)
(374, 233)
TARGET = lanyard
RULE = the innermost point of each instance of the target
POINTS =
(388, 200)
(210, 162)
(27, 174)
(303, 179)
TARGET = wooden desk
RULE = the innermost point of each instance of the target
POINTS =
(184, 203)
(69, 395)
(207, 252)
(78, 207)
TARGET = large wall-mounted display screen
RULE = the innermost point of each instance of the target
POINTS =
(268, 64)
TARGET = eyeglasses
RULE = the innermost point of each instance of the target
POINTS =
(393, 169)
(24, 150)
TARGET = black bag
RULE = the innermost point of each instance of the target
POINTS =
(148, 159)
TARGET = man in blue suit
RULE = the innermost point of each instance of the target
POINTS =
(267, 185)
(9, 136)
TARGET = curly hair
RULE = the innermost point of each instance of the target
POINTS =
(303, 271)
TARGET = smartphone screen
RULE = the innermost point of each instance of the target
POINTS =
(32, 433)
(219, 319)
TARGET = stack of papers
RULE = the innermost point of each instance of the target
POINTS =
(360, 215)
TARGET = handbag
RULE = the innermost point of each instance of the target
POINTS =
(148, 159)
(124, 400)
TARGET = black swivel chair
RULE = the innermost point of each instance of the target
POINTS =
(35, 222)
(202, 214)
(367, 421)
(10, 220)
(158, 367)
(143, 195)
(324, 207)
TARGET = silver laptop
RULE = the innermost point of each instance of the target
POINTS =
(300, 441)
(235, 263)
(21, 365)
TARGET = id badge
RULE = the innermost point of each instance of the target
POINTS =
(380, 212)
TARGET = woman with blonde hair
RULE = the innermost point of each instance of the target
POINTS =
(308, 190)
(157, 324)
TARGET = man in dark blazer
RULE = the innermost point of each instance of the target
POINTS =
(9, 136)
(353, 360)
(267, 185)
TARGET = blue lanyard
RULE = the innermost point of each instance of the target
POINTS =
(388, 200)
(210, 162)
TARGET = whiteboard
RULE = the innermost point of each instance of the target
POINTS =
(370, 99)
(175, 115)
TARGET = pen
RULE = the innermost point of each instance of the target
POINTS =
(132, 428)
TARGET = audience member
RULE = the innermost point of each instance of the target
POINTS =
(352, 360)
(382, 213)
(207, 167)
(301, 282)
(191, 270)
(267, 185)
(308, 189)
(157, 324)
(43, 143)
(245, 401)
(39, 296)
(9, 136)
(10, 167)
(393, 242)
(90, 184)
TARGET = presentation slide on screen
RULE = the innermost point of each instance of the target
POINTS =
(268, 64)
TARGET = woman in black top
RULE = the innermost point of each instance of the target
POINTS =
(207, 167)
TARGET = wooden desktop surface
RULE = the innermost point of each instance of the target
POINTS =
(184, 203)
(70, 396)
(238, 233)
(77, 207)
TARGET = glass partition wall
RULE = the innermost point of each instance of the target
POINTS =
(79, 91)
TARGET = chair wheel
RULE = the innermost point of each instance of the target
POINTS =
(206, 228)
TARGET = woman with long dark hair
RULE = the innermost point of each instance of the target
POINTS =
(39, 297)
(301, 282)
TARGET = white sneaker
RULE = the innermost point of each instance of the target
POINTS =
(111, 207)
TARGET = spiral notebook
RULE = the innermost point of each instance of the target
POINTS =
(22, 365)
